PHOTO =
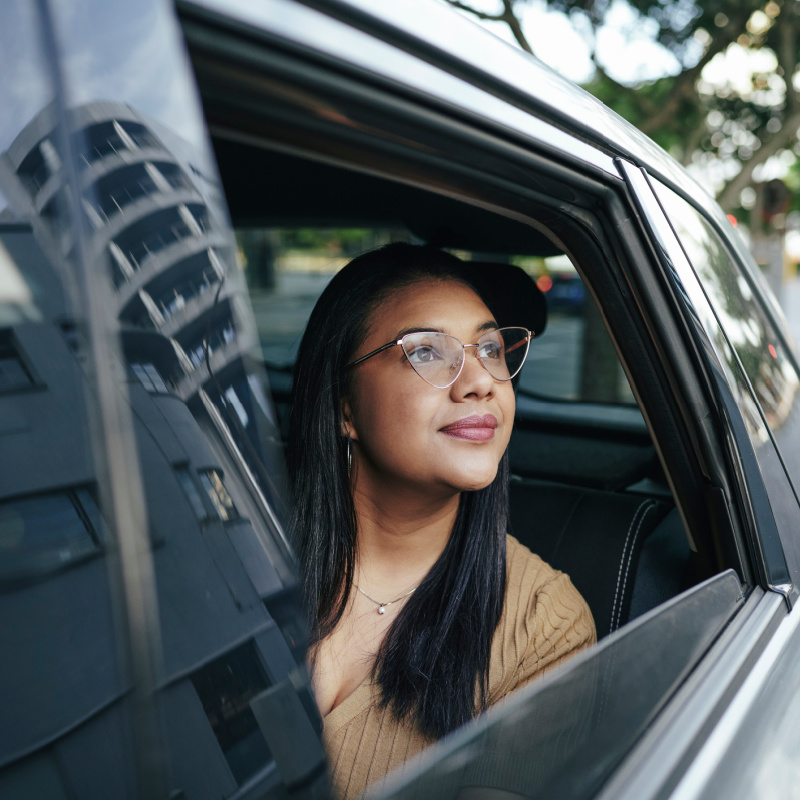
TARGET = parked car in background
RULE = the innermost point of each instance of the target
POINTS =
(177, 185)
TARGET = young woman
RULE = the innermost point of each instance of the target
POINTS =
(423, 611)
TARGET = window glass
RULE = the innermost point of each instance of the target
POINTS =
(565, 734)
(13, 373)
(148, 376)
(225, 688)
(574, 359)
(287, 269)
(45, 532)
(218, 494)
(192, 495)
(764, 358)
(133, 644)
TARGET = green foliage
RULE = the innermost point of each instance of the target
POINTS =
(739, 125)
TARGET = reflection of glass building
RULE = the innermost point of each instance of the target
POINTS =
(157, 236)
(153, 222)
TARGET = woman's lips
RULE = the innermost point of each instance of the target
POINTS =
(475, 428)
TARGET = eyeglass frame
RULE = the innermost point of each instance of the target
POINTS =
(400, 341)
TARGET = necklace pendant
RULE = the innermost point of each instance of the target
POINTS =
(381, 610)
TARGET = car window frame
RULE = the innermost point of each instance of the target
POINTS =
(762, 536)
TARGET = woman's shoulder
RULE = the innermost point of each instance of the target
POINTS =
(534, 588)
(544, 621)
(524, 569)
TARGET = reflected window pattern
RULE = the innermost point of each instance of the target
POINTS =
(44, 532)
(171, 294)
(744, 321)
(223, 333)
(115, 136)
(192, 495)
(120, 188)
(13, 372)
(38, 166)
(148, 376)
(218, 494)
(225, 688)
(143, 240)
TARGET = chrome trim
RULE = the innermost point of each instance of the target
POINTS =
(695, 781)
(663, 750)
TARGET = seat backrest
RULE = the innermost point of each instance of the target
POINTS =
(596, 537)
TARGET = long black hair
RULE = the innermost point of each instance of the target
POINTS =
(433, 665)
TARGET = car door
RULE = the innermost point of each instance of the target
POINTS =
(152, 630)
(724, 294)
(349, 104)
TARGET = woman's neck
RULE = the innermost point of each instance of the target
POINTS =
(400, 539)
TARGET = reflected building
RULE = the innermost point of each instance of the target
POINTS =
(154, 221)
(155, 229)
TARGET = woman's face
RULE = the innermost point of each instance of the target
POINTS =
(403, 426)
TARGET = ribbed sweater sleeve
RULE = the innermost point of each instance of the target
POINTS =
(544, 621)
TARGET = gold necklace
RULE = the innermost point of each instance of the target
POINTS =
(382, 606)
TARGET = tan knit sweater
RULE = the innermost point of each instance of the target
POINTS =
(544, 621)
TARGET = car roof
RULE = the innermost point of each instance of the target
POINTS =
(511, 70)
(459, 45)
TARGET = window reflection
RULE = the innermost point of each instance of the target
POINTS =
(225, 688)
(218, 494)
(761, 352)
(41, 533)
(159, 248)
(13, 372)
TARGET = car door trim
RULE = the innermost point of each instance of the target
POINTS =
(658, 762)
(695, 780)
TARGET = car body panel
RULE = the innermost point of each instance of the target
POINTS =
(122, 645)
(320, 33)
(576, 745)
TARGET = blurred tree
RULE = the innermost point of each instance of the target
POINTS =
(735, 125)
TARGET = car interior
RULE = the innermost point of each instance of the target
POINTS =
(588, 491)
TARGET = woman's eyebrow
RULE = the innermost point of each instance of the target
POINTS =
(489, 325)
(429, 329)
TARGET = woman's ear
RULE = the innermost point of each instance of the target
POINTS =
(347, 427)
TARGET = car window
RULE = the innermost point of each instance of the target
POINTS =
(151, 621)
(572, 360)
(764, 357)
(564, 736)
(760, 369)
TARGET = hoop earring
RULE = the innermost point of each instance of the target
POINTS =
(349, 455)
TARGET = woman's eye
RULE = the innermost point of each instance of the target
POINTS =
(424, 354)
(493, 350)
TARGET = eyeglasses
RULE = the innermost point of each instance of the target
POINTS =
(438, 358)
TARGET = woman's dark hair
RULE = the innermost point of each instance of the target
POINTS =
(433, 664)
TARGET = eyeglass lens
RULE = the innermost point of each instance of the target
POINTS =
(439, 357)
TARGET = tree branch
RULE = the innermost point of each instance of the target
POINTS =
(684, 86)
(475, 12)
(729, 196)
(510, 18)
(507, 15)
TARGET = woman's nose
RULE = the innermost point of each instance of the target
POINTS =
(474, 381)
